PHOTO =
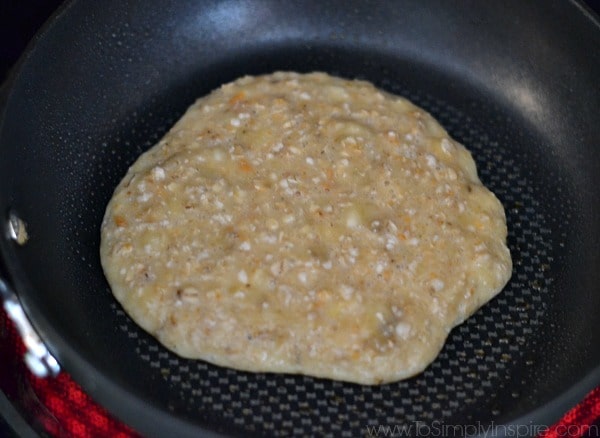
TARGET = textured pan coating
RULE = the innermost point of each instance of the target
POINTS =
(305, 224)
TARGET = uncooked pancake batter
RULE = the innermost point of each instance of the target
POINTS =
(305, 224)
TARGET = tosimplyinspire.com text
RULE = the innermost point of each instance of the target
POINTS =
(478, 429)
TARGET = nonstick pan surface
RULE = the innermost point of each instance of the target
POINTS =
(515, 82)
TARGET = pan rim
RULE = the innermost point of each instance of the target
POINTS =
(79, 368)
(98, 385)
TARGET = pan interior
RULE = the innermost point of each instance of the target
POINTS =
(523, 348)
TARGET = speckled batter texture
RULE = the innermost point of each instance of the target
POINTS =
(305, 224)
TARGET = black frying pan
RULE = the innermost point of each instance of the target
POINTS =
(516, 82)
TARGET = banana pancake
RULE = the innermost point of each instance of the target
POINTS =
(303, 223)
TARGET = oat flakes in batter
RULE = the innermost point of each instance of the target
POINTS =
(303, 223)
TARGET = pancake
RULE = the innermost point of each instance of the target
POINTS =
(304, 223)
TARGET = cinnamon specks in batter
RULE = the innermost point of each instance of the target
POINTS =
(305, 224)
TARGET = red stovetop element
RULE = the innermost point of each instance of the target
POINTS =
(61, 408)
(58, 405)
(581, 421)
